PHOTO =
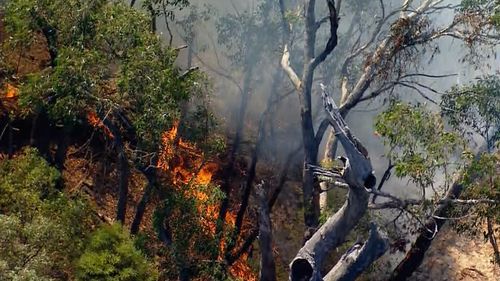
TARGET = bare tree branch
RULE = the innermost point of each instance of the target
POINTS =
(320, 132)
(285, 63)
(332, 41)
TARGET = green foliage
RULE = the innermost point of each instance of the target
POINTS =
(419, 144)
(475, 108)
(111, 255)
(189, 213)
(23, 255)
(38, 234)
(250, 35)
(70, 89)
(24, 181)
(488, 8)
(164, 8)
(106, 59)
(481, 181)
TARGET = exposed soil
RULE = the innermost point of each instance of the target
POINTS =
(456, 257)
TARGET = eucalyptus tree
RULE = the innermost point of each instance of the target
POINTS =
(104, 61)
(383, 57)
(422, 150)
(386, 62)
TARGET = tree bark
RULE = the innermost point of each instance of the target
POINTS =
(329, 155)
(331, 148)
(358, 259)
(123, 170)
(267, 265)
(308, 262)
(141, 207)
(303, 86)
(493, 240)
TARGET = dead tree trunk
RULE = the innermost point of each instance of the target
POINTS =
(493, 240)
(251, 171)
(308, 262)
(359, 257)
(230, 259)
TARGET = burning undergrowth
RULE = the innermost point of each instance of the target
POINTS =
(194, 177)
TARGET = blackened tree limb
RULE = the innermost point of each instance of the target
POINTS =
(247, 188)
(267, 265)
(333, 40)
(123, 168)
(320, 132)
(415, 256)
(493, 240)
(150, 174)
(230, 259)
(251, 171)
(384, 179)
(359, 258)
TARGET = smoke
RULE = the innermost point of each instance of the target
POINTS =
(227, 58)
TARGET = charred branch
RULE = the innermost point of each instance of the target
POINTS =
(385, 178)
(150, 174)
(320, 132)
(333, 40)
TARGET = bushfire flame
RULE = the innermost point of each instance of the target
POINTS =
(186, 164)
(11, 91)
(96, 122)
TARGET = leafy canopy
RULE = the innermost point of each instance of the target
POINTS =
(105, 59)
(110, 255)
(38, 234)
(419, 144)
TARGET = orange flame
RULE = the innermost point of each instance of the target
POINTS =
(11, 91)
(185, 164)
(96, 122)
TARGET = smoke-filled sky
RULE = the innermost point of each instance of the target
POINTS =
(210, 54)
